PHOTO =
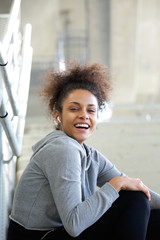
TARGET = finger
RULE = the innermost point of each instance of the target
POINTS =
(145, 189)
(147, 194)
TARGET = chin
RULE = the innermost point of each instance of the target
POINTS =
(81, 141)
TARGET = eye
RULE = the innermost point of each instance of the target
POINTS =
(91, 110)
(74, 109)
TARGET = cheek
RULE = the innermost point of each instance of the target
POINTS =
(94, 122)
(67, 118)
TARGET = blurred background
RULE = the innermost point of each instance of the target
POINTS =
(125, 36)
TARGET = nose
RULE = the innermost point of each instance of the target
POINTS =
(83, 114)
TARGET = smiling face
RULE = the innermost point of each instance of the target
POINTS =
(79, 114)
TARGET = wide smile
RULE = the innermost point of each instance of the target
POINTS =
(82, 126)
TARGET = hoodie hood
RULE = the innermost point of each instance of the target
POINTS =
(47, 139)
(57, 134)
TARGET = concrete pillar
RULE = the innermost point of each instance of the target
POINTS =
(134, 51)
(122, 49)
(147, 61)
(73, 29)
(99, 31)
(72, 15)
(5, 6)
(43, 15)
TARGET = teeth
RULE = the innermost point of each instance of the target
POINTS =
(82, 125)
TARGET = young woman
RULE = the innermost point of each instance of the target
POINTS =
(57, 195)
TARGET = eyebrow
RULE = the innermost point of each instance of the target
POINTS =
(77, 103)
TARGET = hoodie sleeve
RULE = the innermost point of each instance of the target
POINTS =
(155, 200)
(63, 169)
(107, 170)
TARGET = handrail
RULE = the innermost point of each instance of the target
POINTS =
(3, 65)
(17, 99)
(15, 140)
(4, 45)
(11, 23)
(7, 126)
(24, 82)
(15, 69)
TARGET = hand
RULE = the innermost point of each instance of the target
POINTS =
(132, 184)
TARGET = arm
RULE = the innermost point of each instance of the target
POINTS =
(155, 200)
(135, 184)
(127, 183)
(118, 180)
(63, 170)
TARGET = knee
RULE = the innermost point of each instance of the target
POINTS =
(138, 200)
(142, 200)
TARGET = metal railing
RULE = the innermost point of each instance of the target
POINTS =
(8, 128)
(18, 102)
(15, 68)
(5, 76)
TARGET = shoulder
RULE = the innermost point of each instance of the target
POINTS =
(57, 146)
(98, 158)
(62, 155)
(63, 143)
(56, 140)
(95, 154)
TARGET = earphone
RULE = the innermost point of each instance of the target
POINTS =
(60, 124)
(58, 119)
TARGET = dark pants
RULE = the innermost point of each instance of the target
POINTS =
(129, 218)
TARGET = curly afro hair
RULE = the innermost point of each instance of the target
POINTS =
(92, 77)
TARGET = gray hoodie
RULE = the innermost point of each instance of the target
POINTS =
(58, 187)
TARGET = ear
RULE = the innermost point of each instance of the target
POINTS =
(57, 116)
